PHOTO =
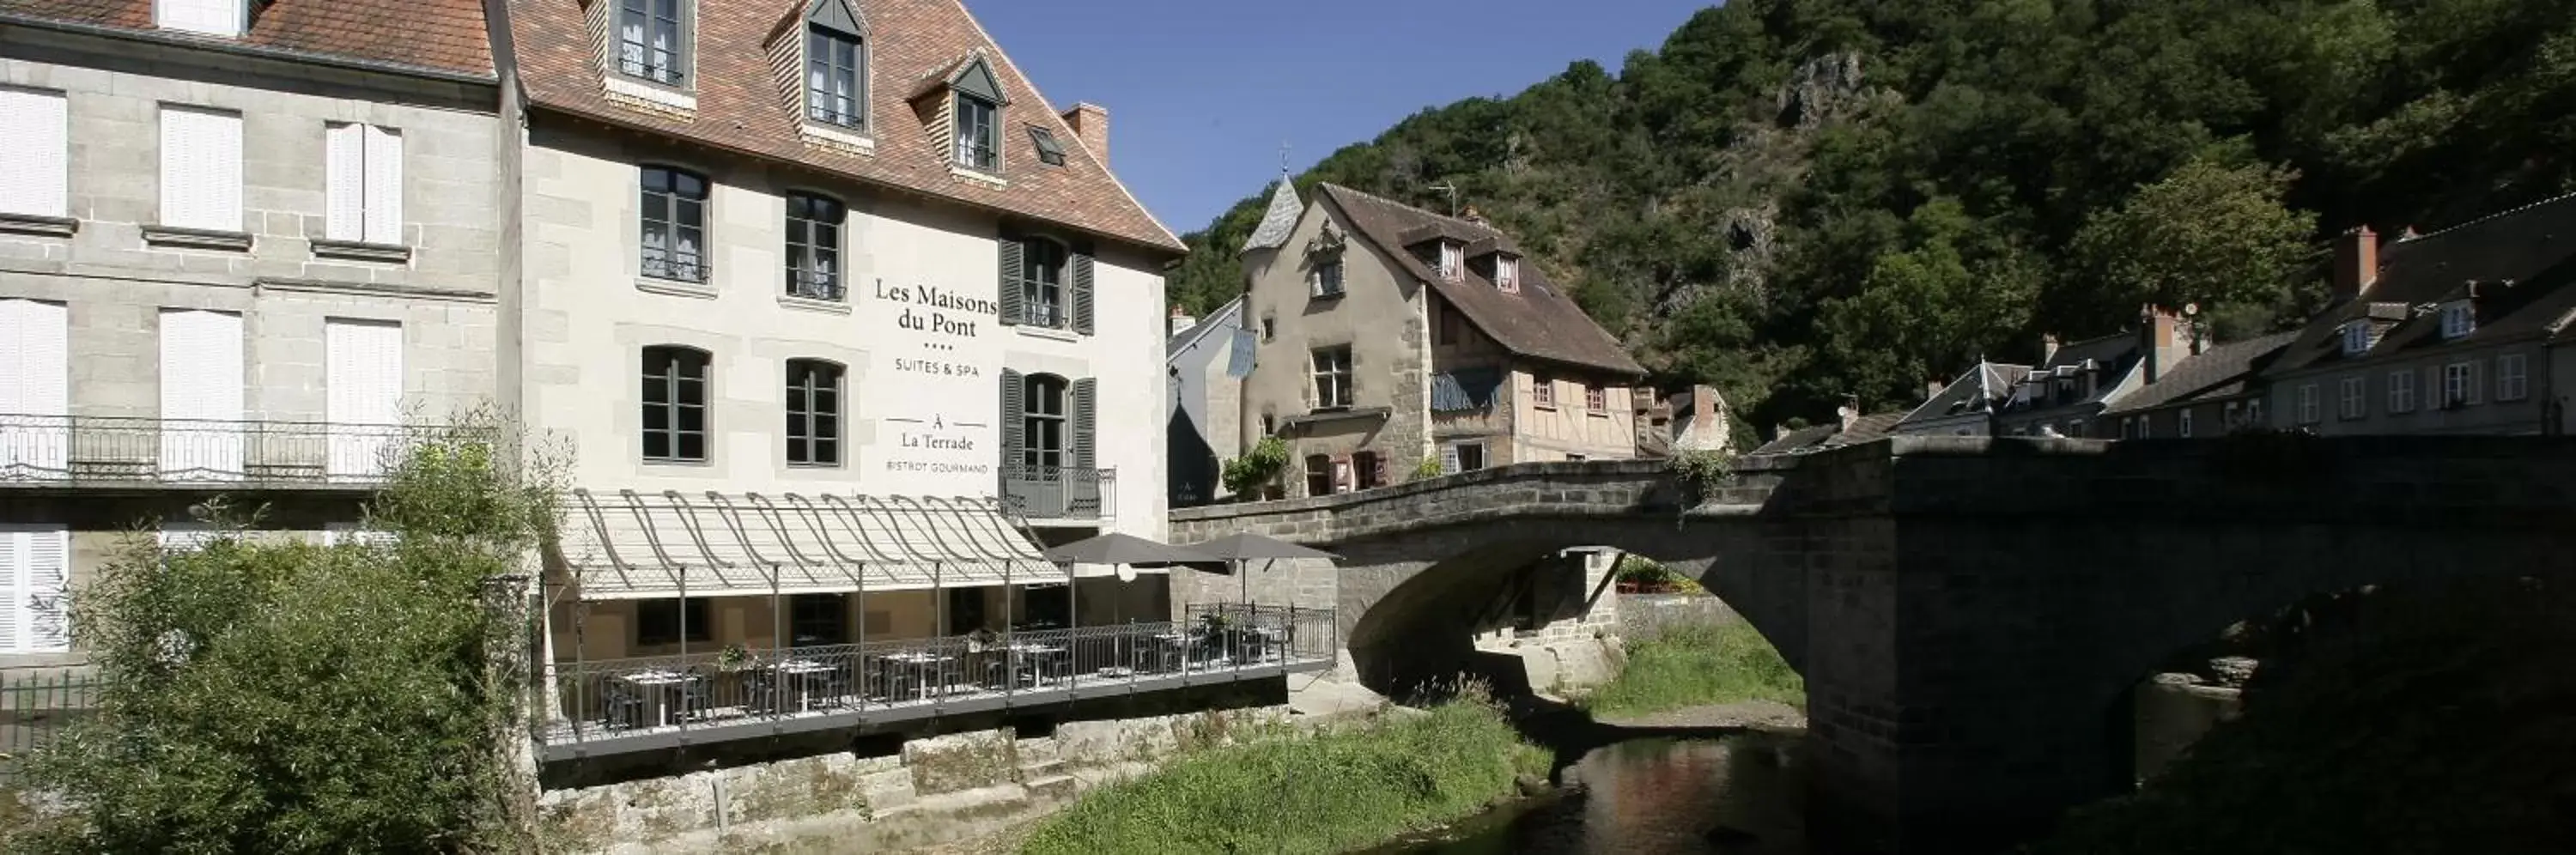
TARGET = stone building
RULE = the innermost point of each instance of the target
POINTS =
(1388, 336)
(240, 243)
(2211, 393)
(1207, 360)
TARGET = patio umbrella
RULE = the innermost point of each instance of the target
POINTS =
(1244, 546)
(1116, 548)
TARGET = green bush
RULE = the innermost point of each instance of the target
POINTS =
(1696, 665)
(1257, 468)
(1429, 468)
(1333, 792)
(271, 695)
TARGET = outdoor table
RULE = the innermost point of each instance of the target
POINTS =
(658, 685)
(1174, 644)
(802, 674)
(918, 664)
(1022, 654)
(1274, 641)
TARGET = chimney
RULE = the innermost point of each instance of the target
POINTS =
(1474, 216)
(1181, 320)
(1849, 412)
(1703, 405)
(2166, 340)
(2356, 263)
(1932, 388)
(2047, 349)
(1091, 122)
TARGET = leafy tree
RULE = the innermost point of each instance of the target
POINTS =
(1930, 310)
(2210, 233)
(266, 695)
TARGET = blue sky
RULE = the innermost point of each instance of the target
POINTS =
(1201, 93)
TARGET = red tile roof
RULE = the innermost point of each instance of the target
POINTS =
(742, 106)
(440, 35)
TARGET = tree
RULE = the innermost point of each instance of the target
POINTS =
(261, 695)
(2210, 233)
(1929, 311)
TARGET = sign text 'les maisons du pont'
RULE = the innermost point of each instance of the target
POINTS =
(941, 403)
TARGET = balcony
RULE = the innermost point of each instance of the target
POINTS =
(1060, 493)
(110, 452)
(627, 705)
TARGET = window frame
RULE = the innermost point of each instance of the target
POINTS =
(853, 114)
(2352, 401)
(1364, 470)
(683, 33)
(2356, 337)
(1037, 294)
(802, 610)
(1596, 399)
(1330, 369)
(2311, 410)
(1324, 279)
(803, 279)
(1507, 274)
(1050, 150)
(673, 202)
(812, 427)
(689, 621)
(1453, 261)
(1319, 474)
(2401, 391)
(2458, 320)
(2182, 423)
(1040, 410)
(2460, 384)
(53, 107)
(1542, 391)
(2514, 385)
(981, 152)
(1482, 461)
(674, 404)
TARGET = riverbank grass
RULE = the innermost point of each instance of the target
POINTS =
(1698, 665)
(1332, 792)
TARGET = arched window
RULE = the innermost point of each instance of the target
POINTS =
(835, 66)
(814, 246)
(1042, 282)
(675, 403)
(813, 412)
(1042, 423)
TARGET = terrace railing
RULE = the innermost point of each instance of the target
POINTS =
(717, 696)
(34, 709)
(96, 451)
(1060, 492)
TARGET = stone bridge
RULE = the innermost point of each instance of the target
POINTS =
(1969, 613)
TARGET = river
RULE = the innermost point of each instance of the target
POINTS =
(1739, 795)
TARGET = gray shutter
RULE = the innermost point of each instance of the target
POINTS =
(1085, 394)
(1082, 291)
(1014, 415)
(1010, 296)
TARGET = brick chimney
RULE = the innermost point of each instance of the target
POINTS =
(2166, 340)
(1181, 320)
(2356, 263)
(1091, 122)
(2047, 349)
(1932, 388)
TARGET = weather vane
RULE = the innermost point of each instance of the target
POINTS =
(1283, 157)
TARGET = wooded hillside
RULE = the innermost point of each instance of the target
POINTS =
(1802, 199)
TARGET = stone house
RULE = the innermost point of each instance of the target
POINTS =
(1849, 427)
(2209, 394)
(1207, 360)
(241, 243)
(2442, 333)
(1388, 336)
(1965, 406)
(2070, 388)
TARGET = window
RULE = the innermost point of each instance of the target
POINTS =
(813, 412)
(814, 246)
(1459, 457)
(2459, 384)
(1269, 328)
(1050, 152)
(674, 217)
(1319, 475)
(364, 165)
(1326, 279)
(1543, 391)
(1269, 424)
(2231, 415)
(2401, 391)
(2308, 404)
(2129, 428)
(35, 131)
(2254, 412)
(2458, 319)
(35, 575)
(818, 619)
(652, 40)
(2355, 401)
(1452, 260)
(1596, 400)
(1042, 302)
(671, 621)
(978, 141)
(211, 17)
(1371, 468)
(675, 404)
(1507, 274)
(1042, 423)
(201, 169)
(2075, 427)
(2182, 422)
(2513, 382)
(1333, 377)
(36, 392)
(2356, 337)
(835, 75)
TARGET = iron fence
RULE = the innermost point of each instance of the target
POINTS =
(709, 692)
(120, 451)
(34, 709)
(1059, 492)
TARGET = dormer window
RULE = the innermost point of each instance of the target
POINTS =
(835, 66)
(1453, 260)
(653, 40)
(2458, 319)
(1507, 274)
(205, 17)
(2356, 337)
(975, 118)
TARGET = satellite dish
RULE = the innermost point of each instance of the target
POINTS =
(2189, 309)
(1126, 572)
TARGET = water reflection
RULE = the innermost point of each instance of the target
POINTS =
(1740, 795)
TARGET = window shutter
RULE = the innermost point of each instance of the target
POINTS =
(32, 131)
(1085, 395)
(223, 150)
(1015, 439)
(362, 395)
(201, 381)
(35, 371)
(200, 169)
(1011, 251)
(346, 171)
(14, 565)
(384, 185)
(1449, 460)
(45, 555)
(1082, 291)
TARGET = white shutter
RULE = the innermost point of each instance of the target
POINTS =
(45, 555)
(345, 166)
(35, 387)
(384, 176)
(337, 533)
(32, 131)
(201, 171)
(212, 17)
(14, 565)
(201, 395)
(363, 398)
(184, 535)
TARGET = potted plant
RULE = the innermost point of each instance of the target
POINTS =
(735, 657)
(1256, 473)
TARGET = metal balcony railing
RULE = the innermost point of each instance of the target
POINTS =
(609, 706)
(94, 451)
(1060, 493)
